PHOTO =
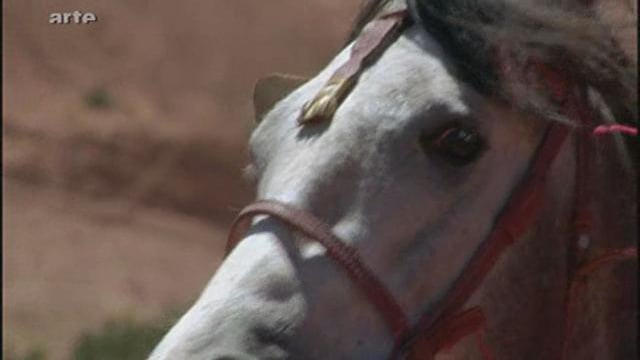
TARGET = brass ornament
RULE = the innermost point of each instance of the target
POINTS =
(325, 104)
(375, 37)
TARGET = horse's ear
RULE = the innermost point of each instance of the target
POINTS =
(271, 89)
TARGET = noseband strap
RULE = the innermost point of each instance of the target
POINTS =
(343, 254)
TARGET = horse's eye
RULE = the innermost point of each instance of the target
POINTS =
(457, 145)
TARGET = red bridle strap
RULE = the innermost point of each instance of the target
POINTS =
(615, 129)
(367, 47)
(514, 220)
(344, 255)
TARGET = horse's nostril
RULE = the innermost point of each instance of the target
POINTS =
(279, 289)
(232, 357)
(270, 336)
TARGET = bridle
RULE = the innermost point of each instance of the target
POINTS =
(446, 323)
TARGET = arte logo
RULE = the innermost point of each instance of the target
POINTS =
(75, 17)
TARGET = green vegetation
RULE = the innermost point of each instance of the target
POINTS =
(36, 353)
(122, 340)
(99, 98)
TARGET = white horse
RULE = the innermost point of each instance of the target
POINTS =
(413, 171)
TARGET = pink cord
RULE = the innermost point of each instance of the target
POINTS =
(610, 129)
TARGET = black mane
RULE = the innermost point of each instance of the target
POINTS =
(563, 34)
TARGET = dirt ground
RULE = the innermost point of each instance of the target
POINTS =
(123, 148)
(72, 262)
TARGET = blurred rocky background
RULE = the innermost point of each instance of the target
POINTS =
(124, 143)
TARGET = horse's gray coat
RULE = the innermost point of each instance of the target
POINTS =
(415, 219)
